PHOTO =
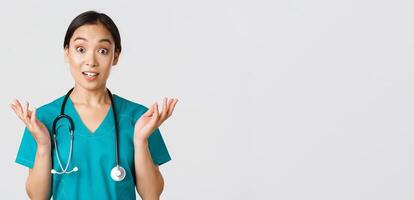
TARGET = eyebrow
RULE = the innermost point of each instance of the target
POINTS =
(101, 40)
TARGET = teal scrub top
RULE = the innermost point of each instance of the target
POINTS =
(93, 153)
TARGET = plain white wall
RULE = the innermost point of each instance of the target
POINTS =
(278, 99)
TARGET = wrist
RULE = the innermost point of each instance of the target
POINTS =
(43, 141)
(140, 142)
(44, 149)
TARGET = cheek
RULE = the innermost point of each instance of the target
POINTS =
(75, 68)
(75, 65)
(105, 59)
(75, 72)
(75, 59)
(105, 62)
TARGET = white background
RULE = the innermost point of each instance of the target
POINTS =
(277, 99)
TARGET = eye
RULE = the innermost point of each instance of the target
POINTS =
(103, 51)
(80, 49)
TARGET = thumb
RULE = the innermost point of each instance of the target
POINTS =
(33, 116)
(149, 111)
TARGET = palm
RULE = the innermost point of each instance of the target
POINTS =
(144, 125)
(40, 129)
(152, 119)
(35, 126)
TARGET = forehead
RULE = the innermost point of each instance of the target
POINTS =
(92, 32)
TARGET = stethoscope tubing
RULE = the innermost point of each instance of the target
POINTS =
(117, 173)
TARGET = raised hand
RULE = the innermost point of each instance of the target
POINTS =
(152, 119)
(35, 126)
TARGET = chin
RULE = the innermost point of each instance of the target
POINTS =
(92, 86)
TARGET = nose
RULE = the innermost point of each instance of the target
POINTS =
(91, 60)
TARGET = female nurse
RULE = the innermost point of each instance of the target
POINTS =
(92, 45)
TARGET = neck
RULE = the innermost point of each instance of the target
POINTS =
(87, 97)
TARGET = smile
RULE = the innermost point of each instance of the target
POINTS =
(90, 74)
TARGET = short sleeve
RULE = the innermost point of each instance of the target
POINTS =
(27, 150)
(158, 149)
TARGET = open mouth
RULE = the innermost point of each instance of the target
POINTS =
(90, 74)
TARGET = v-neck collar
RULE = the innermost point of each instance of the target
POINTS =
(106, 125)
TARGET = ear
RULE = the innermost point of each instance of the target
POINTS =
(65, 54)
(116, 58)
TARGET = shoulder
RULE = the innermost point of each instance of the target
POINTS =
(50, 110)
(128, 107)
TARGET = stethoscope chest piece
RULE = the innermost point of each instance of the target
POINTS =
(118, 173)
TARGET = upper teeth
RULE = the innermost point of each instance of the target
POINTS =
(90, 73)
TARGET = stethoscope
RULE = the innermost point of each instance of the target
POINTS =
(117, 173)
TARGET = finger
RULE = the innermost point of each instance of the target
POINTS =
(33, 116)
(169, 106)
(164, 108)
(15, 109)
(156, 113)
(28, 113)
(27, 109)
(170, 101)
(19, 108)
(13, 102)
(25, 112)
(26, 105)
(157, 120)
(172, 107)
(12, 106)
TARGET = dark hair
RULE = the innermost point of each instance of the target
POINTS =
(93, 17)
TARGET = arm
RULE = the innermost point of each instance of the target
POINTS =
(38, 184)
(150, 182)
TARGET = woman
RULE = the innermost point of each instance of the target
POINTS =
(117, 145)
